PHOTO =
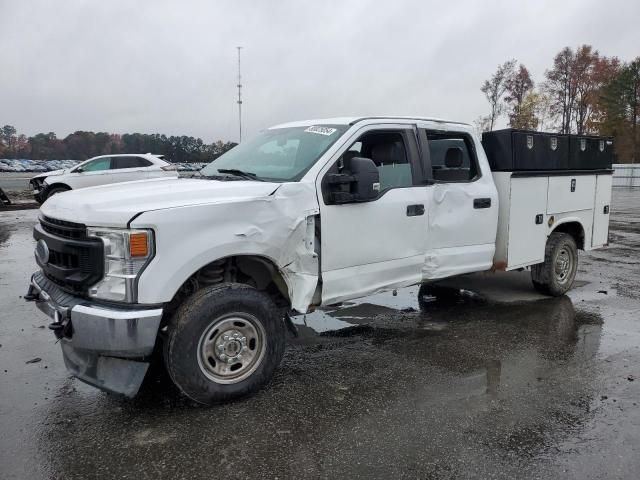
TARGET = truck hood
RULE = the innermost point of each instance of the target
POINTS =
(114, 205)
(52, 173)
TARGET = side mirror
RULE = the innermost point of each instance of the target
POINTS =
(78, 170)
(362, 184)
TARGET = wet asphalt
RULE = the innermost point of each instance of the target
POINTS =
(500, 383)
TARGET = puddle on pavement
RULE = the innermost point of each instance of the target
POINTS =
(514, 377)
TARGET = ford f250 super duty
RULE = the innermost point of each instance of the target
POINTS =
(206, 271)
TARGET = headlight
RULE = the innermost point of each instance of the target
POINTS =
(126, 253)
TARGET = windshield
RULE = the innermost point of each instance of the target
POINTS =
(281, 154)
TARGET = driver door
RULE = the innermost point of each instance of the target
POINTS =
(379, 244)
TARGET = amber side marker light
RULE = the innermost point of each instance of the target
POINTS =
(138, 245)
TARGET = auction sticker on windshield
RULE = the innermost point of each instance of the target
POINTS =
(321, 130)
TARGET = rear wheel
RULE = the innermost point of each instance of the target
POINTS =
(224, 342)
(556, 275)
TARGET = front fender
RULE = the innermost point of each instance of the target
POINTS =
(275, 227)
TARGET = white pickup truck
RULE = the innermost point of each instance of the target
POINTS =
(306, 214)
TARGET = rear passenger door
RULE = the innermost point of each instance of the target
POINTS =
(130, 168)
(378, 244)
(462, 205)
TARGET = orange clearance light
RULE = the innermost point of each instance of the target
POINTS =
(138, 245)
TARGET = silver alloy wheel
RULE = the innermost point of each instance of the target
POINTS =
(564, 264)
(231, 348)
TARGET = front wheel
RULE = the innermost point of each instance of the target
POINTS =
(224, 342)
(556, 275)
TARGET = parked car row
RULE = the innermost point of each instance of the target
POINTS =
(28, 165)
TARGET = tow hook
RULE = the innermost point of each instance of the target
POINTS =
(57, 324)
(32, 294)
(61, 326)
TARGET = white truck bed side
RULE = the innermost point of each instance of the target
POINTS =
(532, 206)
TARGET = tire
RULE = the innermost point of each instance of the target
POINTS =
(555, 276)
(442, 294)
(55, 190)
(224, 342)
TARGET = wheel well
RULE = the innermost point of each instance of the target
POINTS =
(575, 230)
(259, 272)
(58, 185)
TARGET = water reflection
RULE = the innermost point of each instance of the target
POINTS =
(395, 386)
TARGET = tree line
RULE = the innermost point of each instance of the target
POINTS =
(81, 145)
(583, 92)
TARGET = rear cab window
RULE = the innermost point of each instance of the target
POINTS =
(451, 157)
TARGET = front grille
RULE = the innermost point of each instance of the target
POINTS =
(64, 260)
(62, 228)
(75, 261)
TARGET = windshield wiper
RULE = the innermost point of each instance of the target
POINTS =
(240, 173)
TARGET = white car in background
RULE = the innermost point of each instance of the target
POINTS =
(102, 170)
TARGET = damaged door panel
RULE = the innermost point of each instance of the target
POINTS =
(379, 243)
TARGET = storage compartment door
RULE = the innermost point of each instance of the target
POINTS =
(601, 211)
(527, 234)
(571, 193)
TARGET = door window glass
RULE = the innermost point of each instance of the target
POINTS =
(389, 153)
(97, 165)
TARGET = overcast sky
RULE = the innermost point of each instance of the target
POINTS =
(170, 67)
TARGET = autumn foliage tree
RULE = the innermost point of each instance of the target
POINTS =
(575, 84)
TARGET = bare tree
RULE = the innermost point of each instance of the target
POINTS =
(561, 87)
(495, 88)
(519, 85)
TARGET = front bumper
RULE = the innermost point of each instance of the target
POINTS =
(107, 347)
(38, 190)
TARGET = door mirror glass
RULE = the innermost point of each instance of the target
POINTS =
(359, 182)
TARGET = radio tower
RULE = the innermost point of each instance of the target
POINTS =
(239, 96)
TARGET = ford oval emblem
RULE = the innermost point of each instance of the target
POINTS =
(42, 252)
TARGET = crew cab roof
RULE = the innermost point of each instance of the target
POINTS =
(368, 119)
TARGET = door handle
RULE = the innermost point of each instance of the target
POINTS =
(481, 203)
(415, 210)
